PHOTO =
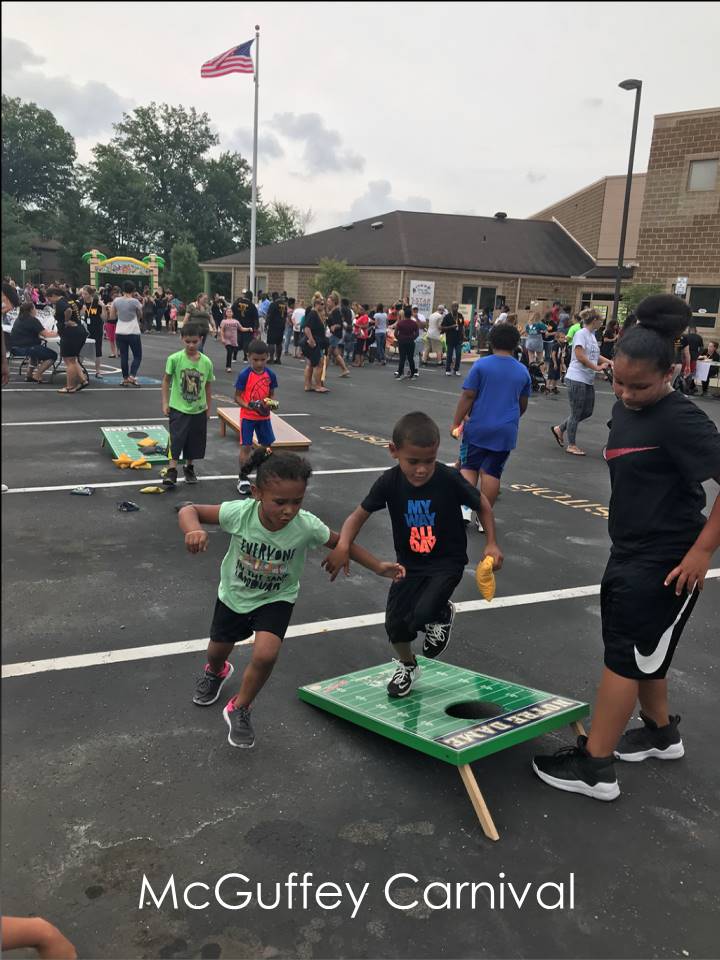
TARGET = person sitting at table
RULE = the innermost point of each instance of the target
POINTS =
(27, 340)
(711, 355)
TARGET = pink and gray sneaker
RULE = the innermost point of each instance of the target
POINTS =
(209, 685)
(240, 730)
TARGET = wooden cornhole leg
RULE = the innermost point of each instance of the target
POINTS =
(478, 802)
(577, 727)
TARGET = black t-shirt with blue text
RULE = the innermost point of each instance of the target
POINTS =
(427, 523)
(659, 458)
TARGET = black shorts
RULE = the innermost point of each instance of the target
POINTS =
(188, 435)
(230, 627)
(642, 619)
(312, 354)
(96, 332)
(72, 341)
(416, 601)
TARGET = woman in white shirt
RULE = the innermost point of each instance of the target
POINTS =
(128, 313)
(580, 378)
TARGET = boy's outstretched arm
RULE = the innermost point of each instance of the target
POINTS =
(340, 555)
(383, 568)
(191, 517)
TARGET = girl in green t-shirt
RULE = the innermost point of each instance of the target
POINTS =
(260, 577)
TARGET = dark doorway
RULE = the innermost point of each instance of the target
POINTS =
(487, 299)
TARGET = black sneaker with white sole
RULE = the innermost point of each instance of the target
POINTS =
(209, 685)
(574, 770)
(240, 731)
(437, 635)
(244, 488)
(403, 680)
(650, 740)
(189, 472)
(170, 478)
(466, 515)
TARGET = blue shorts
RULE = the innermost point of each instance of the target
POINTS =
(262, 429)
(491, 462)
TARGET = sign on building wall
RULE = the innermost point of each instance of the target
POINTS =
(681, 286)
(422, 294)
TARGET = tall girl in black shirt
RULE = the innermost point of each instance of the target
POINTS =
(661, 449)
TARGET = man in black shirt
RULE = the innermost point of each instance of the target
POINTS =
(453, 326)
(275, 328)
(424, 499)
(245, 311)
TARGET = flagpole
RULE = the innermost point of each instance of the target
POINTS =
(253, 213)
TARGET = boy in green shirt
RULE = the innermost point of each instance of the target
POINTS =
(186, 400)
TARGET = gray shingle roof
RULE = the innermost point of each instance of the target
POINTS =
(433, 241)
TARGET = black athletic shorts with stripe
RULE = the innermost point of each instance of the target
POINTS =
(188, 435)
(642, 619)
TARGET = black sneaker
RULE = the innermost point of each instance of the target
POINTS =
(244, 488)
(209, 685)
(574, 770)
(190, 475)
(240, 731)
(437, 635)
(403, 679)
(170, 478)
(650, 740)
(396, 375)
(416, 376)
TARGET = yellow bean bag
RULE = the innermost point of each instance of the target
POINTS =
(485, 578)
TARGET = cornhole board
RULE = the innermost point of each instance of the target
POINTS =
(512, 714)
(125, 440)
(286, 437)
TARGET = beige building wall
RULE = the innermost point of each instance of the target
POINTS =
(581, 214)
(609, 240)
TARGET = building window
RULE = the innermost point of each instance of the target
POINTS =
(702, 174)
(705, 305)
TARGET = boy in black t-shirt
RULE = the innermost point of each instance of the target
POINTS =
(557, 357)
(424, 499)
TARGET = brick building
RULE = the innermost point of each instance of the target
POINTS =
(482, 261)
(674, 221)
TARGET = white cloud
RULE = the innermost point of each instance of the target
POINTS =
(323, 151)
(378, 198)
(268, 144)
(83, 108)
(533, 176)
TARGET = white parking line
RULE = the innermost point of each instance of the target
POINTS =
(149, 421)
(40, 393)
(129, 654)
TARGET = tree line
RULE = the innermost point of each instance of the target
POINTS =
(158, 182)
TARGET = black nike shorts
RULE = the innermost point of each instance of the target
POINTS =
(416, 601)
(642, 619)
(230, 627)
(188, 435)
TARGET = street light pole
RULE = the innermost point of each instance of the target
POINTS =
(635, 85)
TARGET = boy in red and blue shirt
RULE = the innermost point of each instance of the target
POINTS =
(254, 385)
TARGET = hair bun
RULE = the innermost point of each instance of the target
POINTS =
(664, 313)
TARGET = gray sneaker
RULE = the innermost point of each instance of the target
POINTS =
(240, 731)
(209, 685)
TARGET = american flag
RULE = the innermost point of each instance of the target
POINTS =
(234, 60)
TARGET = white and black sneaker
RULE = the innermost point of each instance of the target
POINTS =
(244, 488)
(437, 635)
(397, 375)
(575, 770)
(650, 740)
(170, 478)
(209, 685)
(240, 730)
(405, 677)
(189, 473)
(466, 515)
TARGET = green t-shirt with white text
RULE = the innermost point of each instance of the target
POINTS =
(264, 566)
(189, 380)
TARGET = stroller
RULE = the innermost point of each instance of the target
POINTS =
(539, 383)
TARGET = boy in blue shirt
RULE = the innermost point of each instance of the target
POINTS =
(495, 396)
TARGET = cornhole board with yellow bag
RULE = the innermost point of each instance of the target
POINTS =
(286, 437)
(127, 440)
(453, 714)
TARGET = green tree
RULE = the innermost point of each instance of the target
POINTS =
(37, 155)
(632, 294)
(16, 238)
(123, 201)
(337, 275)
(186, 277)
(282, 221)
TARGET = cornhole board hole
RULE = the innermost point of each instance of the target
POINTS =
(125, 440)
(286, 437)
(453, 714)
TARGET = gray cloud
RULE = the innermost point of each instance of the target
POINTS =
(268, 144)
(593, 102)
(83, 108)
(323, 152)
(378, 198)
(533, 176)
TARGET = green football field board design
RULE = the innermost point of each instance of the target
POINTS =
(119, 441)
(420, 721)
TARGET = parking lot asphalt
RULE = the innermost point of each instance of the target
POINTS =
(111, 774)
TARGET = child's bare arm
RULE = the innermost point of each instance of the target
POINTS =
(383, 568)
(166, 381)
(38, 933)
(208, 397)
(191, 517)
(340, 555)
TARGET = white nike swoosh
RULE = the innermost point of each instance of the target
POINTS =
(653, 662)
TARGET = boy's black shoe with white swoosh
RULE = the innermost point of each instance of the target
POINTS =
(404, 678)
(575, 770)
(437, 635)
(650, 740)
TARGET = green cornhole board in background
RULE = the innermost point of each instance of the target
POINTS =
(505, 714)
(120, 441)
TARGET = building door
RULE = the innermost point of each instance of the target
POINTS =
(487, 299)
(470, 295)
